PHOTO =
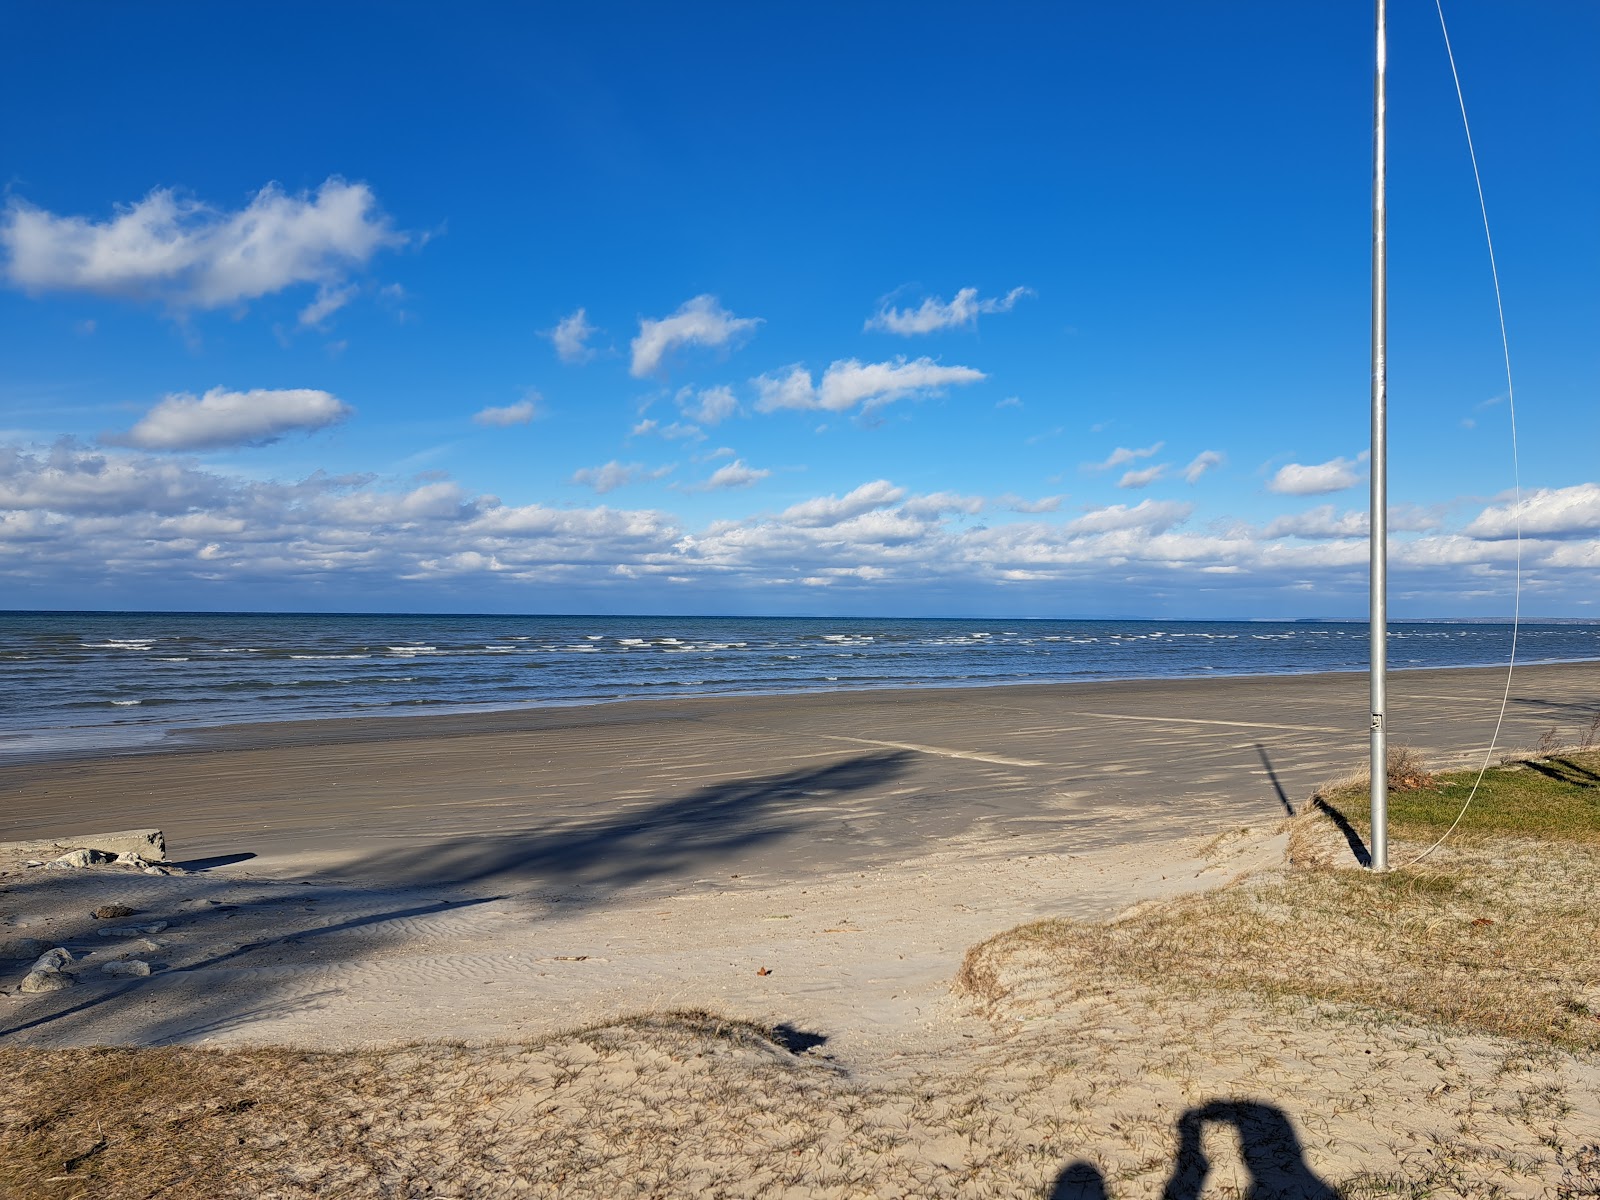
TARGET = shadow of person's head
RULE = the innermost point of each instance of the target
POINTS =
(1079, 1181)
(1268, 1147)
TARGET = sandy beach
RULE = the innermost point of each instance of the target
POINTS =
(515, 872)
(817, 864)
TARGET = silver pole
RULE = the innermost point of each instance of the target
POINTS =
(1378, 518)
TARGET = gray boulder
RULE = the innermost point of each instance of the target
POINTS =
(46, 981)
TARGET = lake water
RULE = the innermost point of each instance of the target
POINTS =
(95, 679)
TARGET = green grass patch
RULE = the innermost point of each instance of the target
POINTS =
(1556, 798)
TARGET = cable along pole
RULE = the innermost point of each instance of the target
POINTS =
(1378, 516)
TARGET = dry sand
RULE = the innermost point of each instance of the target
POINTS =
(818, 863)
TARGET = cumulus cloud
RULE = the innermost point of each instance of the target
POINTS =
(849, 382)
(72, 479)
(1150, 515)
(937, 504)
(1297, 479)
(1569, 512)
(734, 475)
(614, 474)
(222, 418)
(709, 407)
(519, 413)
(935, 314)
(824, 511)
(571, 337)
(191, 255)
(72, 515)
(1324, 521)
(1142, 477)
(1201, 463)
(701, 321)
(1122, 456)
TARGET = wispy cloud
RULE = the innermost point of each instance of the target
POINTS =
(676, 431)
(1122, 456)
(571, 337)
(1143, 476)
(701, 321)
(1318, 479)
(190, 255)
(735, 475)
(613, 475)
(221, 418)
(935, 314)
(520, 413)
(1205, 461)
(329, 300)
(1043, 504)
(849, 382)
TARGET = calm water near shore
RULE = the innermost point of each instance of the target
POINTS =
(95, 679)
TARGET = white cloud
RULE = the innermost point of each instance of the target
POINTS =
(1045, 504)
(699, 322)
(571, 338)
(1201, 463)
(937, 504)
(793, 389)
(830, 510)
(1143, 477)
(73, 517)
(1296, 479)
(849, 382)
(190, 255)
(1546, 512)
(519, 413)
(222, 418)
(1122, 456)
(935, 314)
(1150, 515)
(709, 407)
(612, 475)
(734, 475)
(1324, 521)
(329, 301)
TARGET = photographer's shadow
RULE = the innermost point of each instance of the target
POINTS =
(1268, 1147)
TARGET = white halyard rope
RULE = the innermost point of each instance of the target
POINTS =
(1516, 466)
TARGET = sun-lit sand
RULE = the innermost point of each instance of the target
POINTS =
(819, 864)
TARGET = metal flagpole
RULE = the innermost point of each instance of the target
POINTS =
(1378, 518)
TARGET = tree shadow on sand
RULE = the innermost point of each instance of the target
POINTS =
(1268, 1148)
(239, 950)
(716, 824)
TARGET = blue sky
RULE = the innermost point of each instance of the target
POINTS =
(892, 309)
